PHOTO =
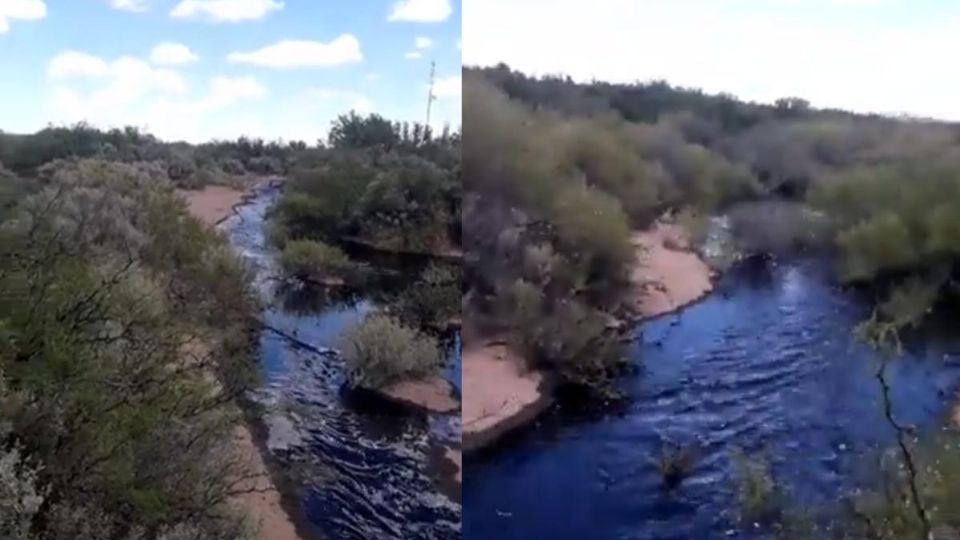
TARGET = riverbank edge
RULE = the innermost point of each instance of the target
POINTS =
(670, 246)
(253, 430)
(450, 255)
(279, 481)
(475, 441)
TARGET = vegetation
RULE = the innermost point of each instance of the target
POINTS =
(558, 172)
(433, 300)
(388, 185)
(553, 190)
(675, 463)
(188, 166)
(125, 337)
(380, 350)
(315, 261)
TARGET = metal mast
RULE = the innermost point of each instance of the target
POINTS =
(430, 95)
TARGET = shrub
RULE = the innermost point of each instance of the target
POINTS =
(777, 227)
(880, 243)
(233, 167)
(758, 497)
(434, 299)
(675, 463)
(316, 261)
(380, 350)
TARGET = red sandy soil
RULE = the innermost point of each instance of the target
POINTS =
(213, 204)
(262, 504)
(668, 274)
(433, 394)
(501, 394)
(456, 457)
(498, 393)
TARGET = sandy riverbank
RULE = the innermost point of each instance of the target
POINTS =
(263, 502)
(500, 394)
(213, 204)
(434, 394)
(668, 274)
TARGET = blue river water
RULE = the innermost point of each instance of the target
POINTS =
(766, 365)
(360, 471)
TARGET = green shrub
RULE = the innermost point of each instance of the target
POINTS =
(759, 499)
(434, 299)
(380, 350)
(675, 463)
(313, 260)
(880, 243)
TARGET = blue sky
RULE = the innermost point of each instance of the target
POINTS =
(886, 56)
(201, 69)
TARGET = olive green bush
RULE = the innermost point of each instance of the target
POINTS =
(434, 299)
(393, 189)
(380, 350)
(126, 334)
(316, 261)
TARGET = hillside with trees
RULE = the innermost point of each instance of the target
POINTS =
(557, 174)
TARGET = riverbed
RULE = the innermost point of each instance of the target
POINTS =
(766, 364)
(358, 468)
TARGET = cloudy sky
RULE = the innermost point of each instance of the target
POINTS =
(888, 56)
(201, 69)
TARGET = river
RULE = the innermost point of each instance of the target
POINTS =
(359, 470)
(766, 364)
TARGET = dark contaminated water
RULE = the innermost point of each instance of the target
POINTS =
(767, 364)
(361, 470)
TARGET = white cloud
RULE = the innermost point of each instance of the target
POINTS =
(412, 55)
(172, 54)
(756, 49)
(353, 100)
(87, 86)
(425, 11)
(345, 49)
(161, 106)
(126, 78)
(225, 10)
(70, 64)
(422, 42)
(136, 6)
(226, 91)
(24, 10)
(448, 87)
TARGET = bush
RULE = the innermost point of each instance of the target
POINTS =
(777, 227)
(316, 261)
(434, 299)
(380, 350)
(758, 497)
(118, 280)
(675, 463)
(233, 167)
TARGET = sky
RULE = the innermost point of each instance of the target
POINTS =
(885, 56)
(197, 70)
